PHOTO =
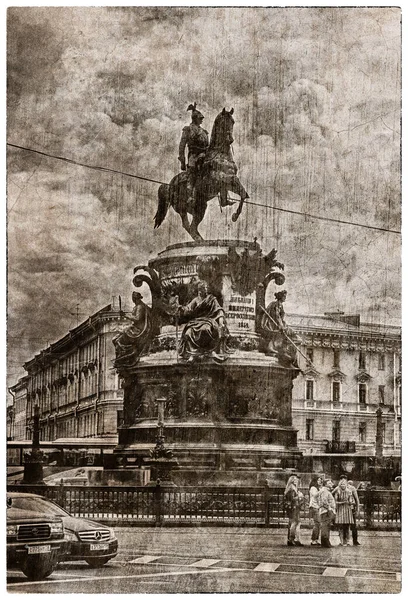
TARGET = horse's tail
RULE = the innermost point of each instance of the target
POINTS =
(164, 202)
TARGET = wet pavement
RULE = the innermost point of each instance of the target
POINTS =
(230, 560)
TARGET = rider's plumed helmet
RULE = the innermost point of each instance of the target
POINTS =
(194, 112)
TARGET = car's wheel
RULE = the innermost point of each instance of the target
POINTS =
(36, 570)
(96, 563)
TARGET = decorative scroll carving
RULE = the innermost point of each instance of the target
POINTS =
(162, 308)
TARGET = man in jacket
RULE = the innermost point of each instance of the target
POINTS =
(356, 509)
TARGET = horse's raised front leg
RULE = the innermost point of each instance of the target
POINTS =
(224, 197)
(239, 189)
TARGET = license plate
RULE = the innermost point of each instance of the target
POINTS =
(39, 549)
(99, 546)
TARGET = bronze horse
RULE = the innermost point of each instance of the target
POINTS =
(218, 175)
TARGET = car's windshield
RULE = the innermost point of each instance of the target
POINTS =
(38, 505)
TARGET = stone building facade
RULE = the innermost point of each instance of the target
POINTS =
(17, 411)
(73, 383)
(351, 371)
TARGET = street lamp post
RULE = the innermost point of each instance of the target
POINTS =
(33, 463)
(161, 460)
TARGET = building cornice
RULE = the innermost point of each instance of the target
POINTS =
(73, 339)
(348, 340)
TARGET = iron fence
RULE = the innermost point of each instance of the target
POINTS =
(162, 505)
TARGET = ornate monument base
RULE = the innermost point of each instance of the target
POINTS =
(228, 400)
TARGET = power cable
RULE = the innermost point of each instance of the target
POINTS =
(287, 210)
(79, 164)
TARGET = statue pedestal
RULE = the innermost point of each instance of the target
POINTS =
(230, 417)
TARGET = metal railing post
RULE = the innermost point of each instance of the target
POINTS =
(60, 494)
(158, 496)
(267, 495)
(368, 508)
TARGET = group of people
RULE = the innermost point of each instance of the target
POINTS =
(329, 507)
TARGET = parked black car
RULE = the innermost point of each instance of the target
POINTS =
(35, 541)
(85, 539)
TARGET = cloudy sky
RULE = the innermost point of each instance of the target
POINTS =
(316, 97)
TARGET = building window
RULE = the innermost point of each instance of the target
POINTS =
(362, 360)
(309, 429)
(309, 354)
(309, 389)
(362, 432)
(336, 358)
(362, 393)
(381, 362)
(336, 431)
(381, 394)
(336, 392)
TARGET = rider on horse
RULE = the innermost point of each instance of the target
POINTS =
(211, 172)
(195, 138)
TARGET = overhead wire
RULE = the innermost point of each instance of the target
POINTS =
(269, 207)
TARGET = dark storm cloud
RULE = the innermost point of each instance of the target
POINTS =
(43, 264)
(33, 51)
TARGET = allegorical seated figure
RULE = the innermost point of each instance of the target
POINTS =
(277, 334)
(134, 339)
(205, 332)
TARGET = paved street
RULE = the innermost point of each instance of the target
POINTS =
(229, 560)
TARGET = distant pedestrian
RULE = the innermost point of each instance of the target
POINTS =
(344, 513)
(293, 502)
(314, 488)
(355, 509)
(327, 509)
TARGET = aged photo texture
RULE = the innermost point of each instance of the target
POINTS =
(203, 299)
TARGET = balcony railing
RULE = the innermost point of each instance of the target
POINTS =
(335, 447)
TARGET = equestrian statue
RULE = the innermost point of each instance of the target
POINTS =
(210, 171)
